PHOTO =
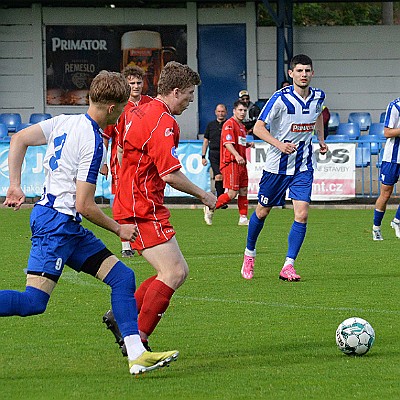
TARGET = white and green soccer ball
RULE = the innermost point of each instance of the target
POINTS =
(355, 336)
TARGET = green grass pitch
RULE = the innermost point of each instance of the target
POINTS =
(238, 339)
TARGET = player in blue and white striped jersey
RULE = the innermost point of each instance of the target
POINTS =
(75, 152)
(390, 170)
(287, 123)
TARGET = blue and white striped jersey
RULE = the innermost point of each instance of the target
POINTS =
(392, 120)
(75, 151)
(290, 118)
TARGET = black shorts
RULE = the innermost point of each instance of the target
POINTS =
(214, 160)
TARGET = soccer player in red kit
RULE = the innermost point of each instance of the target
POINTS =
(134, 76)
(149, 162)
(233, 164)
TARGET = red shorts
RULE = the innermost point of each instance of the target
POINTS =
(151, 233)
(235, 176)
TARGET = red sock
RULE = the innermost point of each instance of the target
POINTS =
(155, 303)
(141, 291)
(222, 200)
(243, 205)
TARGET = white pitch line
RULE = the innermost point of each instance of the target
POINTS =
(73, 277)
(283, 305)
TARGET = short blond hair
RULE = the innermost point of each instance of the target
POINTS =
(109, 87)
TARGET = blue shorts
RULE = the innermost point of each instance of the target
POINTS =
(389, 173)
(273, 188)
(58, 240)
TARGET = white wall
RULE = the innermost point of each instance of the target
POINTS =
(355, 66)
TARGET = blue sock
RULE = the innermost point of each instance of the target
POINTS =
(378, 216)
(397, 213)
(255, 227)
(31, 302)
(295, 239)
(123, 303)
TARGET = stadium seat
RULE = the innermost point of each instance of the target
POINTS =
(352, 129)
(3, 130)
(379, 161)
(377, 128)
(362, 118)
(334, 122)
(23, 126)
(11, 120)
(382, 117)
(372, 142)
(363, 156)
(37, 117)
(337, 138)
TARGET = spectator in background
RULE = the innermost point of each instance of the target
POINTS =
(212, 141)
(326, 115)
(134, 76)
(233, 164)
(285, 84)
(253, 112)
(390, 170)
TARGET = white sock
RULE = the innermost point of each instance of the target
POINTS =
(249, 253)
(288, 261)
(396, 221)
(376, 228)
(126, 246)
(134, 346)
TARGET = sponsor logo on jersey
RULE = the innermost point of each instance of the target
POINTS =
(228, 137)
(173, 152)
(169, 132)
(302, 128)
(228, 128)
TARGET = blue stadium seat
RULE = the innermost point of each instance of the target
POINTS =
(23, 126)
(3, 130)
(37, 117)
(334, 122)
(372, 142)
(362, 118)
(382, 117)
(379, 161)
(12, 120)
(337, 138)
(377, 128)
(363, 156)
(352, 129)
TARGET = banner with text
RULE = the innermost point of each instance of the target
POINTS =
(334, 177)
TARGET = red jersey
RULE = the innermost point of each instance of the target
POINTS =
(149, 142)
(233, 132)
(112, 132)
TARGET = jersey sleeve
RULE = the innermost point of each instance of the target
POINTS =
(91, 158)
(228, 133)
(48, 127)
(392, 115)
(271, 109)
(162, 147)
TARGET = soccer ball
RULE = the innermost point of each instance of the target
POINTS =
(355, 336)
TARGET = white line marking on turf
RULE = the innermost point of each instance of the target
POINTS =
(73, 277)
(283, 305)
